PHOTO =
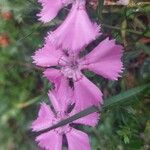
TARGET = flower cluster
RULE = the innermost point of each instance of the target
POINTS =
(64, 66)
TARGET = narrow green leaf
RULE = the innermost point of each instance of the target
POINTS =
(28, 103)
(100, 10)
(124, 96)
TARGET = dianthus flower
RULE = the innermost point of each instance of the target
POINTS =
(76, 31)
(123, 2)
(53, 139)
(104, 60)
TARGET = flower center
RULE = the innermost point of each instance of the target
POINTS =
(64, 129)
(70, 67)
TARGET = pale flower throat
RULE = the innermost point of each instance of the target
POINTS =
(64, 129)
(70, 67)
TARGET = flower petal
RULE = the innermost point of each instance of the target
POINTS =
(105, 60)
(44, 120)
(74, 34)
(47, 56)
(50, 141)
(86, 94)
(50, 9)
(62, 97)
(90, 120)
(54, 101)
(78, 140)
(54, 76)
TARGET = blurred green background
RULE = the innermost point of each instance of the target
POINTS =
(125, 126)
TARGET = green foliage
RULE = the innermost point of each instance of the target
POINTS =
(124, 97)
(125, 126)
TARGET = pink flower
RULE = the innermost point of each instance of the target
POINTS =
(52, 140)
(123, 2)
(50, 9)
(104, 60)
(76, 31)
(118, 2)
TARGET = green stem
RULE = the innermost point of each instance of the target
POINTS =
(127, 30)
